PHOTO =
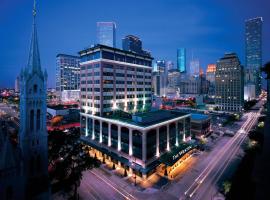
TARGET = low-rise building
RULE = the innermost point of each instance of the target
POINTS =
(136, 141)
(200, 125)
(69, 112)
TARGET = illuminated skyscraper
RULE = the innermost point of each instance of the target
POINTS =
(254, 52)
(181, 59)
(194, 68)
(106, 33)
(211, 76)
(210, 72)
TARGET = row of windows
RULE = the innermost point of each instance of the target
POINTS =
(118, 96)
(116, 57)
(91, 74)
(94, 66)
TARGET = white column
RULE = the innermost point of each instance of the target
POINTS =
(168, 137)
(93, 129)
(109, 135)
(144, 150)
(86, 127)
(119, 138)
(100, 131)
(130, 142)
(157, 143)
(177, 134)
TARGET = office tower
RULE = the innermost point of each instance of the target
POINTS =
(17, 84)
(169, 65)
(67, 73)
(156, 83)
(229, 83)
(134, 44)
(249, 92)
(113, 79)
(106, 33)
(174, 77)
(24, 166)
(194, 68)
(181, 60)
(163, 73)
(253, 29)
(211, 73)
(211, 77)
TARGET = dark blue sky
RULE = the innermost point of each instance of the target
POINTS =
(208, 28)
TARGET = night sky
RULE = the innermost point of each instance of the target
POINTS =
(206, 28)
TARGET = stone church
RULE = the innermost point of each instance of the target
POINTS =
(24, 167)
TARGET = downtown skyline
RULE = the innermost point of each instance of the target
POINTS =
(208, 33)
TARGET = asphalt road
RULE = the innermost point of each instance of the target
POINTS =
(97, 186)
(205, 184)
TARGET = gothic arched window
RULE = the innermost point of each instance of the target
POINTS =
(35, 88)
(38, 119)
(32, 119)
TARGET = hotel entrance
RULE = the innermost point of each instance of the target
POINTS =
(172, 162)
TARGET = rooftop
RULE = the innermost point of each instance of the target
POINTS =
(66, 55)
(149, 118)
(112, 49)
(199, 117)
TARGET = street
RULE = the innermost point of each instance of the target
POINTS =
(205, 185)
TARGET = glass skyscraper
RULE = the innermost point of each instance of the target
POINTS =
(181, 59)
(253, 49)
(194, 68)
(106, 33)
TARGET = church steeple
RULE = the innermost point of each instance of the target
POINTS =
(34, 57)
(33, 131)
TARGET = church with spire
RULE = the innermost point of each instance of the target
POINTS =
(29, 159)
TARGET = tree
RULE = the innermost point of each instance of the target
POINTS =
(226, 187)
(69, 158)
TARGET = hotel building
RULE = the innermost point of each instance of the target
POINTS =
(115, 87)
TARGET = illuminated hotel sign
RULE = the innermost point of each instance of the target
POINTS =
(182, 152)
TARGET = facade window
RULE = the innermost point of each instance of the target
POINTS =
(107, 55)
(137, 144)
(124, 139)
(151, 143)
(114, 136)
